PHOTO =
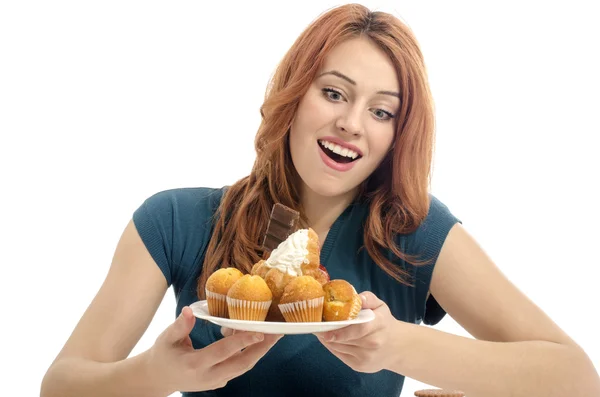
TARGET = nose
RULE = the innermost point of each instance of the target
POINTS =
(350, 121)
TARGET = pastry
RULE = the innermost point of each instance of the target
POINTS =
(249, 299)
(259, 269)
(302, 300)
(342, 302)
(296, 255)
(277, 281)
(320, 274)
(216, 289)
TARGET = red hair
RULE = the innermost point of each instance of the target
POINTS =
(397, 192)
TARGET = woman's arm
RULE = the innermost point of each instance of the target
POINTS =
(519, 351)
(94, 360)
(490, 369)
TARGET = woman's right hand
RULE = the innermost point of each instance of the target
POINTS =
(185, 369)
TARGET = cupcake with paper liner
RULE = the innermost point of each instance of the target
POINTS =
(342, 302)
(302, 300)
(249, 299)
(216, 289)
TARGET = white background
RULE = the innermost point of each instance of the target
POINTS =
(105, 103)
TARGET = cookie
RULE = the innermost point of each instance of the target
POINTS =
(439, 393)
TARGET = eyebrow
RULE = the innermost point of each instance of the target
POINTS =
(349, 80)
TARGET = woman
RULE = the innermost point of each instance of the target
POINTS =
(346, 139)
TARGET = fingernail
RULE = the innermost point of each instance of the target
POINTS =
(328, 337)
(258, 337)
(363, 298)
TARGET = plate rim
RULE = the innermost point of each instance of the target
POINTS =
(369, 316)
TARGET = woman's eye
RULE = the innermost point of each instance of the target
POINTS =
(332, 94)
(382, 114)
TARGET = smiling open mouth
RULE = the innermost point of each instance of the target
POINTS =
(338, 153)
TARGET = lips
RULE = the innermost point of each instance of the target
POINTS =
(335, 161)
(332, 142)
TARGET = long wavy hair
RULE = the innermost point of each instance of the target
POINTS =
(397, 192)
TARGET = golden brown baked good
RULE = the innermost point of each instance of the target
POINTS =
(259, 269)
(298, 253)
(342, 302)
(276, 281)
(439, 393)
(249, 299)
(319, 274)
(313, 257)
(216, 289)
(302, 300)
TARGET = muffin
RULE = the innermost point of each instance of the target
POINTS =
(217, 287)
(249, 299)
(342, 302)
(302, 300)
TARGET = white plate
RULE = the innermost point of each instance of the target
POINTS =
(200, 310)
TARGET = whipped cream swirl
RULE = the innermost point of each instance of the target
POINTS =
(291, 254)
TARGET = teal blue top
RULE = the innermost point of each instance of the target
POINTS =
(176, 225)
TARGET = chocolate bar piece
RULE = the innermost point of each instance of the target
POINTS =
(282, 223)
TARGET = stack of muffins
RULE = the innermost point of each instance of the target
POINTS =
(289, 286)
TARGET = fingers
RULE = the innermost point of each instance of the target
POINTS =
(244, 361)
(342, 348)
(181, 327)
(347, 334)
(223, 349)
(227, 331)
(359, 331)
(347, 358)
(370, 301)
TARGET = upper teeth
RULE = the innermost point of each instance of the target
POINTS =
(342, 151)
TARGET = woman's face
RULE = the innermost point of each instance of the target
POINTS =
(344, 125)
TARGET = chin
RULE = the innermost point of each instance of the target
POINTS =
(327, 188)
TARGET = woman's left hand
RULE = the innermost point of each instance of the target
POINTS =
(367, 347)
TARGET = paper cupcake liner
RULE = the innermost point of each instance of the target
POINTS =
(304, 311)
(247, 310)
(217, 305)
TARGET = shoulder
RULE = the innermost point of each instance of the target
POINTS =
(189, 200)
(425, 244)
(175, 226)
(178, 209)
(429, 236)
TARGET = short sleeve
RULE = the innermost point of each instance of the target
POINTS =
(427, 243)
(175, 226)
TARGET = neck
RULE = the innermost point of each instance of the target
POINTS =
(321, 211)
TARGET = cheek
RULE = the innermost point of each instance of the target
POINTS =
(381, 142)
(305, 123)
(313, 113)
